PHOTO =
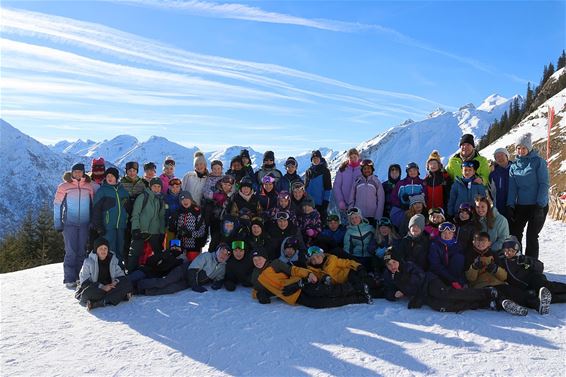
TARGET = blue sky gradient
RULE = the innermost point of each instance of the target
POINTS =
(284, 75)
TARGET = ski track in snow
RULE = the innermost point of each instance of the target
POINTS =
(45, 332)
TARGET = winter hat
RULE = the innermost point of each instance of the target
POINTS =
(245, 153)
(501, 150)
(471, 164)
(434, 155)
(259, 252)
(308, 202)
(411, 165)
(149, 166)
(269, 155)
(235, 159)
(367, 162)
(419, 198)
(467, 138)
(155, 181)
(291, 161)
(418, 220)
(389, 254)
(113, 171)
(99, 242)
(199, 158)
(98, 165)
(216, 162)
(78, 166)
(185, 195)
(222, 246)
(284, 195)
(291, 242)
(316, 154)
(511, 242)
(297, 185)
(466, 207)
(524, 140)
(169, 161)
(257, 221)
(132, 165)
(352, 151)
(246, 182)
(436, 211)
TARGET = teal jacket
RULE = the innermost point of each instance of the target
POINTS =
(110, 203)
(528, 181)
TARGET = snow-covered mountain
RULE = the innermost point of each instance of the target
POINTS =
(30, 174)
(45, 332)
(414, 141)
(78, 147)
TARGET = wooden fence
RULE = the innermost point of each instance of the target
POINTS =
(557, 207)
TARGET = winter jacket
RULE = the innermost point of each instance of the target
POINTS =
(189, 226)
(89, 270)
(110, 203)
(404, 189)
(310, 226)
(499, 187)
(465, 231)
(344, 182)
(500, 229)
(134, 187)
(275, 275)
(367, 194)
(194, 183)
(277, 235)
(240, 271)
(151, 219)
(415, 250)
(336, 236)
(359, 240)
(237, 202)
(446, 260)
(73, 201)
(463, 192)
(172, 204)
(318, 183)
(411, 280)
(482, 278)
(161, 263)
(388, 187)
(286, 182)
(210, 186)
(267, 200)
(276, 173)
(437, 189)
(337, 268)
(165, 182)
(528, 181)
(521, 275)
(454, 167)
(208, 263)
(298, 259)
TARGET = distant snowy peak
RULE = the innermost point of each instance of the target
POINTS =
(492, 102)
(469, 106)
(436, 113)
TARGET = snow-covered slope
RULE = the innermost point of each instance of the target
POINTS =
(46, 332)
(414, 141)
(77, 147)
(30, 174)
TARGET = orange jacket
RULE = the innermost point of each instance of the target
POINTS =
(337, 268)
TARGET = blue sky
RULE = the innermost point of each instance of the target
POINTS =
(284, 75)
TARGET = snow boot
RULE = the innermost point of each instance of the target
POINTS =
(544, 297)
(512, 307)
(94, 304)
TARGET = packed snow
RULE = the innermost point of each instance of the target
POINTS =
(45, 332)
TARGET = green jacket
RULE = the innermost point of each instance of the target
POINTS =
(454, 167)
(151, 217)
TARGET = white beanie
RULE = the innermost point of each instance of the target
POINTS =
(524, 140)
(199, 158)
(501, 150)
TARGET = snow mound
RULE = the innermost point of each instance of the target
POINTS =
(46, 332)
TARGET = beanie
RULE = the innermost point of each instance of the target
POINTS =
(524, 140)
(149, 166)
(245, 153)
(99, 242)
(259, 252)
(467, 138)
(411, 165)
(185, 195)
(216, 162)
(235, 159)
(308, 201)
(113, 171)
(132, 165)
(98, 164)
(168, 161)
(257, 221)
(199, 158)
(419, 198)
(501, 150)
(418, 220)
(316, 154)
(269, 155)
(78, 166)
(246, 182)
(434, 156)
(155, 181)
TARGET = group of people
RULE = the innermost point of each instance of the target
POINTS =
(450, 240)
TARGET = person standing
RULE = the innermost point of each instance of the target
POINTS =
(194, 181)
(318, 183)
(528, 194)
(499, 180)
(468, 153)
(347, 173)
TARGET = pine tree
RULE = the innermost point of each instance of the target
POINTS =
(529, 98)
(561, 61)
(50, 246)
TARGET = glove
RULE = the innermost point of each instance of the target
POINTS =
(199, 288)
(136, 234)
(360, 268)
(263, 297)
(217, 284)
(342, 206)
(456, 285)
(327, 280)
(380, 252)
(492, 268)
(478, 264)
(311, 232)
(288, 290)
(511, 213)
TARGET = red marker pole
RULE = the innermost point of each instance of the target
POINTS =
(550, 121)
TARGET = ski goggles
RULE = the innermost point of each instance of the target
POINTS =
(332, 217)
(282, 215)
(447, 226)
(238, 245)
(298, 186)
(384, 221)
(284, 195)
(465, 207)
(314, 250)
(354, 211)
(268, 179)
(367, 163)
(175, 243)
(174, 181)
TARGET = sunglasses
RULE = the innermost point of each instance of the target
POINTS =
(238, 245)
(314, 250)
(282, 215)
(353, 210)
(447, 226)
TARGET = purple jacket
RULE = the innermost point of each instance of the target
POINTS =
(406, 188)
(343, 184)
(367, 194)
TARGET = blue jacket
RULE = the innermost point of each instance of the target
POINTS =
(359, 240)
(499, 186)
(172, 204)
(462, 192)
(447, 262)
(337, 236)
(318, 183)
(284, 184)
(109, 210)
(528, 181)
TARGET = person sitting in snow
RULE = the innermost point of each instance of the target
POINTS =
(239, 267)
(209, 268)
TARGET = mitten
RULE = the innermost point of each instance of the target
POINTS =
(491, 268)
(478, 264)
(456, 285)
(311, 232)
(263, 297)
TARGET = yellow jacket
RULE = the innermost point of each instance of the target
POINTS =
(337, 268)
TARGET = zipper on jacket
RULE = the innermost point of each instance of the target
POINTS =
(118, 204)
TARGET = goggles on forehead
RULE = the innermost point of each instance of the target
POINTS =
(384, 221)
(282, 215)
(268, 179)
(353, 210)
(447, 226)
(314, 250)
(238, 245)
(175, 243)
